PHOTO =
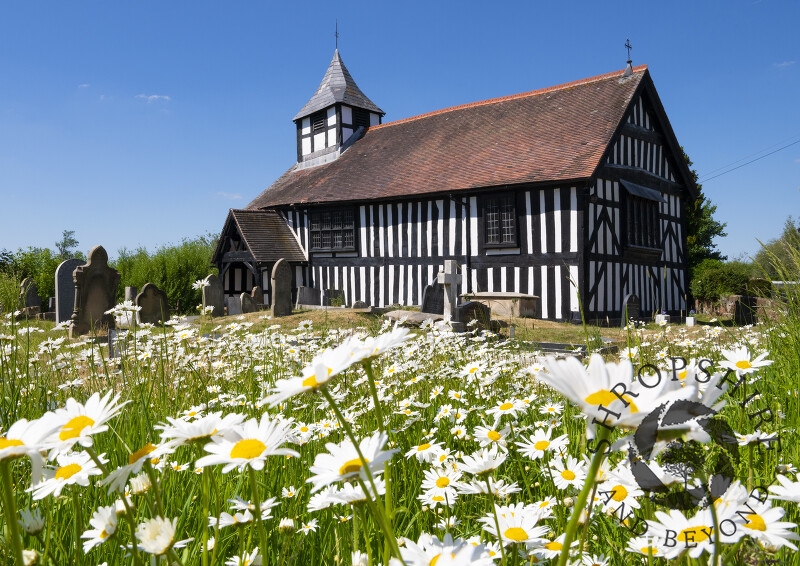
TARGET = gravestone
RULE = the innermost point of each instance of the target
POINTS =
(281, 286)
(234, 305)
(131, 293)
(28, 294)
(448, 279)
(95, 293)
(333, 297)
(257, 295)
(433, 299)
(744, 310)
(360, 305)
(473, 310)
(248, 303)
(65, 289)
(631, 309)
(213, 295)
(154, 305)
(308, 296)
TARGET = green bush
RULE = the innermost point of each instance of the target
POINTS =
(173, 268)
(9, 292)
(714, 278)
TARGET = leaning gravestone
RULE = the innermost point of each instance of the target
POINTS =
(65, 289)
(95, 293)
(28, 294)
(281, 286)
(153, 303)
(433, 299)
(248, 303)
(631, 309)
(257, 295)
(213, 295)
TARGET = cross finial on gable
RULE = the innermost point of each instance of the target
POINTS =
(629, 47)
(337, 34)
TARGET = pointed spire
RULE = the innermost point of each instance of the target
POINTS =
(337, 86)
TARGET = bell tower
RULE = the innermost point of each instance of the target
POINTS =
(334, 118)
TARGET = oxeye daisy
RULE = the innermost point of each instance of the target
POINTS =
(104, 521)
(200, 428)
(741, 361)
(249, 444)
(552, 548)
(441, 480)
(540, 442)
(288, 492)
(569, 473)
(448, 552)
(786, 491)
(646, 545)
(31, 521)
(551, 409)
(504, 408)
(229, 520)
(247, 559)
(517, 524)
(80, 421)
(308, 528)
(156, 536)
(490, 437)
(342, 462)
(483, 462)
(149, 452)
(425, 452)
(764, 525)
(73, 468)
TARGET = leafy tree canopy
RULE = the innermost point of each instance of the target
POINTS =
(701, 227)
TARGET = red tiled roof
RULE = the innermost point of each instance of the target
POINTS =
(549, 135)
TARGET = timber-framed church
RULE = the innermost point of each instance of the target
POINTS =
(575, 193)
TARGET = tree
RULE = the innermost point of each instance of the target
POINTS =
(780, 258)
(701, 227)
(66, 244)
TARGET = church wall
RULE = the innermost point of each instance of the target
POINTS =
(400, 247)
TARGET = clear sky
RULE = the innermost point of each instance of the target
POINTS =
(141, 123)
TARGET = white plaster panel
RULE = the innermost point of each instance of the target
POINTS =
(306, 126)
(347, 115)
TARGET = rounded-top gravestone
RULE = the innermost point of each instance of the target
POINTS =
(95, 293)
(65, 289)
(281, 286)
(28, 294)
(153, 303)
(213, 295)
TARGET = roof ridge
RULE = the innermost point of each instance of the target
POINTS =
(637, 69)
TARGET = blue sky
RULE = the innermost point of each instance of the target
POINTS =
(141, 123)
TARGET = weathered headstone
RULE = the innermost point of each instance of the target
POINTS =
(744, 310)
(131, 293)
(95, 293)
(213, 295)
(257, 295)
(360, 305)
(333, 298)
(153, 302)
(234, 305)
(433, 299)
(631, 308)
(308, 296)
(281, 286)
(65, 289)
(448, 279)
(473, 310)
(248, 303)
(28, 294)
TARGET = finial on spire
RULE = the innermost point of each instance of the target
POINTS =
(629, 69)
(337, 34)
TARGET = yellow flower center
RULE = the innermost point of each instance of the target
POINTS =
(141, 452)
(493, 435)
(568, 475)
(555, 545)
(437, 498)
(649, 550)
(516, 534)
(248, 449)
(695, 534)
(542, 445)
(422, 447)
(66, 472)
(619, 493)
(544, 504)
(756, 522)
(506, 406)
(682, 374)
(192, 413)
(351, 467)
(74, 427)
(442, 482)
(8, 442)
(744, 364)
(303, 429)
(606, 398)
(311, 381)
(103, 534)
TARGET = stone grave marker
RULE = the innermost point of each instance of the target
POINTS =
(65, 289)
(28, 294)
(308, 296)
(257, 294)
(248, 303)
(333, 297)
(433, 299)
(154, 305)
(95, 293)
(448, 279)
(473, 310)
(744, 310)
(213, 295)
(234, 305)
(281, 286)
(631, 309)
(131, 293)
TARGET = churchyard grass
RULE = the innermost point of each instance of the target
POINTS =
(462, 412)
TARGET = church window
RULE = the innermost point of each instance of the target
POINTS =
(360, 118)
(333, 230)
(318, 122)
(500, 221)
(642, 224)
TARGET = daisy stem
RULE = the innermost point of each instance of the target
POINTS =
(750, 471)
(262, 534)
(203, 526)
(10, 508)
(496, 520)
(717, 545)
(591, 478)
(585, 531)
(76, 503)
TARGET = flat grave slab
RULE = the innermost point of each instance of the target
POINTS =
(506, 304)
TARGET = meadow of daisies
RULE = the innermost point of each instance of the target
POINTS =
(262, 445)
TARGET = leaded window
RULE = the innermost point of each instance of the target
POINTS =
(333, 230)
(500, 222)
